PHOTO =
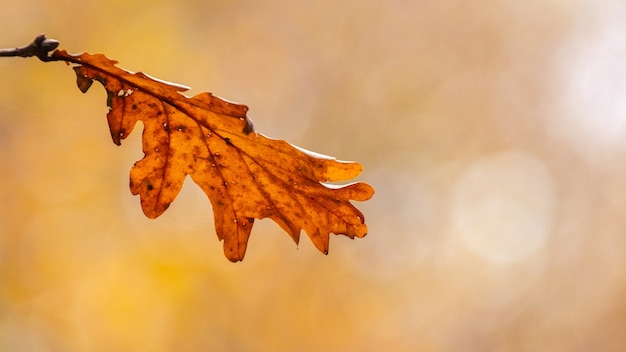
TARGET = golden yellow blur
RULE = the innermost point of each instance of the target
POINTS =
(494, 133)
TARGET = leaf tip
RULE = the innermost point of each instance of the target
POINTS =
(234, 259)
(83, 82)
(118, 135)
(366, 192)
(233, 254)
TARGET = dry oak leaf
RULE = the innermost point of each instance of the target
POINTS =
(245, 174)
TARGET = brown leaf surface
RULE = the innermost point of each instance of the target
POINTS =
(245, 174)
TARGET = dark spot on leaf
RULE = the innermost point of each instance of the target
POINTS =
(227, 140)
(150, 187)
(249, 127)
(102, 81)
(110, 99)
(134, 106)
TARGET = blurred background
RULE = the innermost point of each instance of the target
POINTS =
(493, 131)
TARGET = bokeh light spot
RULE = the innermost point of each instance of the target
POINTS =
(503, 206)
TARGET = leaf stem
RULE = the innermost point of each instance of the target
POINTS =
(40, 47)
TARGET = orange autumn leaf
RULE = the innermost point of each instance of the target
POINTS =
(246, 175)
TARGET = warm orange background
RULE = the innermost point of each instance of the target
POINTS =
(493, 131)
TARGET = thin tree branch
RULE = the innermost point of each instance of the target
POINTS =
(40, 47)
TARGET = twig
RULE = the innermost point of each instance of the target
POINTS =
(40, 47)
